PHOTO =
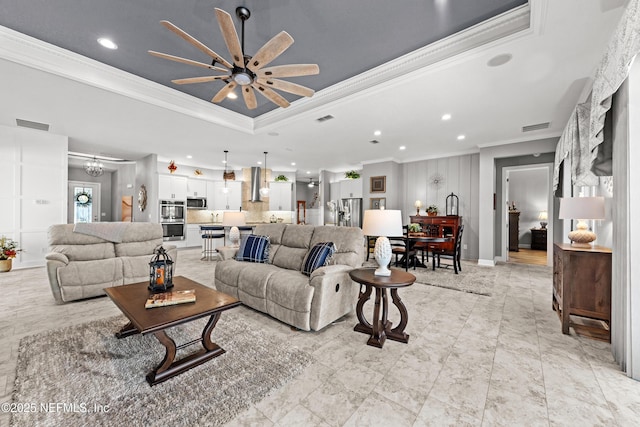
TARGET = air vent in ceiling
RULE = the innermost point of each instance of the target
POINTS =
(539, 126)
(32, 125)
(325, 118)
(374, 141)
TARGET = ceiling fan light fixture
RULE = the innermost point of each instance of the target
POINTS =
(243, 78)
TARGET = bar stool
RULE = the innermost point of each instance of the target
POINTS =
(209, 234)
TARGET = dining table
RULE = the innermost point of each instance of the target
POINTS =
(410, 243)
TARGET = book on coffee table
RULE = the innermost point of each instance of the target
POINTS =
(171, 298)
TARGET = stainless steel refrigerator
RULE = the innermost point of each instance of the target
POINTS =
(350, 213)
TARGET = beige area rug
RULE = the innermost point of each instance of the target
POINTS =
(473, 278)
(85, 368)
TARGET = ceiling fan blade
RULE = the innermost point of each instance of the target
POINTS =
(249, 97)
(199, 79)
(270, 51)
(271, 95)
(224, 92)
(187, 61)
(230, 37)
(296, 89)
(186, 36)
(291, 70)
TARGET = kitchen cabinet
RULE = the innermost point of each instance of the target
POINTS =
(582, 290)
(218, 200)
(193, 235)
(196, 187)
(280, 195)
(351, 188)
(172, 187)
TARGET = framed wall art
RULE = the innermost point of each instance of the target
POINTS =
(378, 202)
(378, 184)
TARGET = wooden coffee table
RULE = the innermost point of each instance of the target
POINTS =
(130, 300)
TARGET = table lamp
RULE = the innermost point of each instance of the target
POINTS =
(382, 223)
(233, 220)
(418, 205)
(543, 217)
(582, 208)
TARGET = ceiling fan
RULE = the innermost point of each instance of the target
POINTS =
(246, 71)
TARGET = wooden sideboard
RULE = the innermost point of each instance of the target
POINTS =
(514, 231)
(439, 226)
(582, 289)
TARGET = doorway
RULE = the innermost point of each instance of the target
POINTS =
(527, 235)
(84, 202)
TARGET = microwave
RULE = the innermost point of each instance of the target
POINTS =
(196, 202)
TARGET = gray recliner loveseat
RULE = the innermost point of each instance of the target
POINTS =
(280, 289)
(81, 265)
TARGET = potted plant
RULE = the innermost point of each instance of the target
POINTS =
(281, 178)
(432, 210)
(8, 251)
(351, 175)
(415, 228)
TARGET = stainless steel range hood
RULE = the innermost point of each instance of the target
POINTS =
(255, 184)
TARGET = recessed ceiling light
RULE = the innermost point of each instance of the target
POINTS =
(377, 133)
(109, 44)
(308, 172)
(446, 116)
(293, 163)
(189, 156)
(499, 60)
(402, 147)
(259, 162)
(224, 161)
(232, 95)
(461, 137)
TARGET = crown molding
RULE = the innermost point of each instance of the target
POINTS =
(31, 52)
(34, 53)
(482, 34)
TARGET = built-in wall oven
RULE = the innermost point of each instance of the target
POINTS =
(172, 219)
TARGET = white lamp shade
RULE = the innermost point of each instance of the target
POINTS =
(417, 204)
(233, 219)
(543, 216)
(385, 222)
(581, 208)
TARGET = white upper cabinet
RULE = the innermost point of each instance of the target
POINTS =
(351, 188)
(218, 200)
(172, 187)
(196, 188)
(280, 195)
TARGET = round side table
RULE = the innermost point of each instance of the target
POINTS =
(381, 328)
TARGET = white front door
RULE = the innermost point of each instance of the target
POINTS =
(84, 202)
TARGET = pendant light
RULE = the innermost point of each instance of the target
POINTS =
(225, 190)
(264, 191)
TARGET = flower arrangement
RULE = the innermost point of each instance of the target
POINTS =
(8, 248)
(415, 228)
(352, 175)
(432, 209)
(172, 166)
(281, 178)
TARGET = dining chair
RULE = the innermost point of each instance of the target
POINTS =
(400, 246)
(454, 255)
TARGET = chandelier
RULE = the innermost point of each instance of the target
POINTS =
(93, 167)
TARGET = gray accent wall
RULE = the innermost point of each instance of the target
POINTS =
(78, 174)
(147, 174)
(123, 184)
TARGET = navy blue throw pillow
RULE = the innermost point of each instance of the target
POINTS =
(254, 248)
(318, 256)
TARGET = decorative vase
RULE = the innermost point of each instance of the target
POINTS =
(432, 213)
(5, 265)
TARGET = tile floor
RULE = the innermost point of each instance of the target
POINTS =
(471, 360)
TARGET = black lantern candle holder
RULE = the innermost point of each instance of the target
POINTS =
(160, 271)
(452, 204)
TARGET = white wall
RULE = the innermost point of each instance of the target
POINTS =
(33, 194)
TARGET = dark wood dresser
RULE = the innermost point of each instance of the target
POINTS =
(439, 226)
(582, 289)
(539, 239)
(514, 230)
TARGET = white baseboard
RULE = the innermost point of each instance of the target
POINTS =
(487, 262)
